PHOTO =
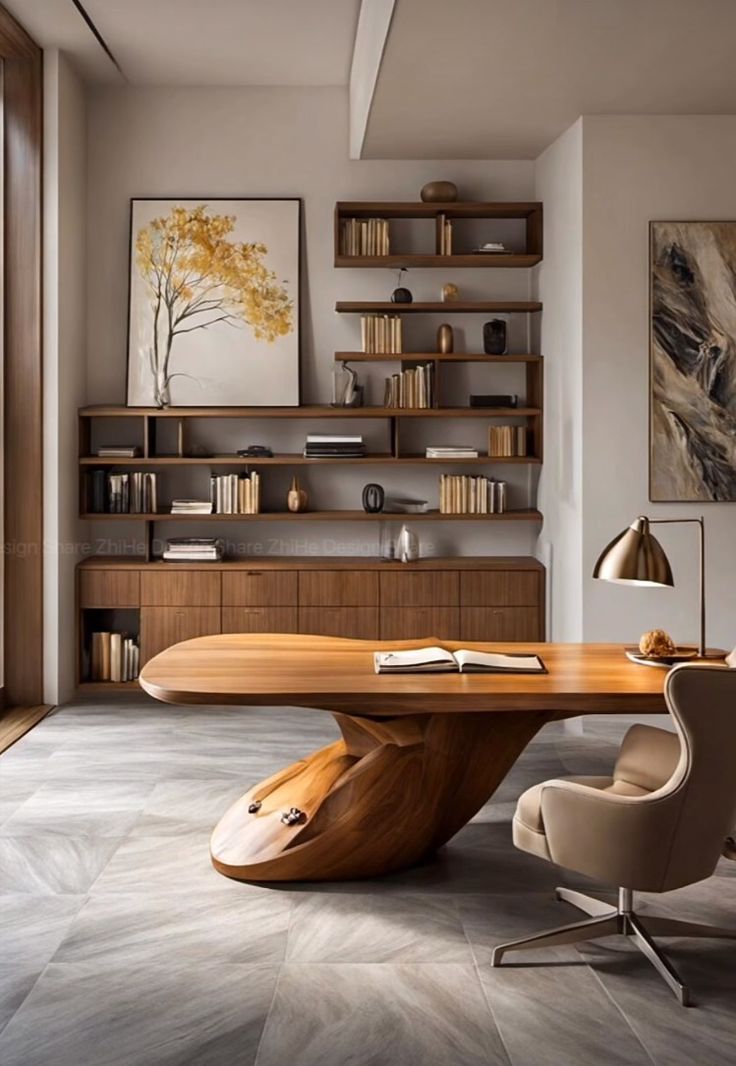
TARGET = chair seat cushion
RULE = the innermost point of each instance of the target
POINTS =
(528, 824)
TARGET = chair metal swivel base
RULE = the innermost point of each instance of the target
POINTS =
(605, 920)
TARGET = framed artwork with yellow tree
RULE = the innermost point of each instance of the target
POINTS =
(214, 303)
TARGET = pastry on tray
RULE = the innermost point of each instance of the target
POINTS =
(658, 643)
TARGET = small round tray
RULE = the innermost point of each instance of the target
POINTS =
(680, 655)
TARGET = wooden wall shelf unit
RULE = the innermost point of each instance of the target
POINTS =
(489, 598)
(450, 307)
(530, 213)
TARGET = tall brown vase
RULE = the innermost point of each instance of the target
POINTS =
(445, 338)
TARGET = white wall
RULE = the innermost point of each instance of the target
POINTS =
(64, 274)
(637, 169)
(559, 185)
(284, 142)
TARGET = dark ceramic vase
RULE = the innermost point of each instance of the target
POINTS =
(373, 498)
(494, 337)
(401, 296)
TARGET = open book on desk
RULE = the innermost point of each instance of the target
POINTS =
(464, 661)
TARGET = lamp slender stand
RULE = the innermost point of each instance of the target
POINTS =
(701, 538)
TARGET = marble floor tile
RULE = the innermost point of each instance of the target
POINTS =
(180, 805)
(327, 927)
(80, 1014)
(79, 810)
(379, 1015)
(34, 926)
(163, 864)
(246, 927)
(16, 982)
(41, 863)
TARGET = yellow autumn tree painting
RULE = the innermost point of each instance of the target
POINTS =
(197, 277)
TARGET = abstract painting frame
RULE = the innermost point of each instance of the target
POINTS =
(692, 362)
(214, 302)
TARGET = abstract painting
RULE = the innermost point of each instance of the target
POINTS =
(693, 361)
(214, 303)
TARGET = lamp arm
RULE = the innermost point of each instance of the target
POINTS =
(701, 542)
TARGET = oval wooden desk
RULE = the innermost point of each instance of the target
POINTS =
(419, 754)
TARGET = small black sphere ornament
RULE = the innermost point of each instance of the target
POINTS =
(373, 498)
(401, 295)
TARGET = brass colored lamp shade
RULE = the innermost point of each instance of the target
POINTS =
(634, 557)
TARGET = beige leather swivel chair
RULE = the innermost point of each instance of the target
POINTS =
(657, 824)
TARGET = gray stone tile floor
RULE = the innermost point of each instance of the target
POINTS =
(121, 946)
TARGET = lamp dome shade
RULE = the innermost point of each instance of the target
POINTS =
(634, 557)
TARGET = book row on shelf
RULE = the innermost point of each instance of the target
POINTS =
(364, 236)
(381, 334)
(413, 387)
(194, 550)
(114, 657)
(507, 441)
(466, 494)
(131, 493)
(235, 494)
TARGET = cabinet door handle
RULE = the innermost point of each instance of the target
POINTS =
(253, 573)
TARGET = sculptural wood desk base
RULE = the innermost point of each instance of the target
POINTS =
(419, 754)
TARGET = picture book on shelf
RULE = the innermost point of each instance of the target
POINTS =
(464, 661)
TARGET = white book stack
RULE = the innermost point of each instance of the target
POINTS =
(450, 451)
(193, 550)
(191, 507)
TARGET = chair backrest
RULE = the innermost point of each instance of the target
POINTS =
(702, 701)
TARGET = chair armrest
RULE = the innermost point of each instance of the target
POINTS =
(622, 840)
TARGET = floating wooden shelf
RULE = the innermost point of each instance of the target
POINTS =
(296, 459)
(517, 515)
(454, 307)
(412, 261)
(437, 357)
(453, 209)
(307, 412)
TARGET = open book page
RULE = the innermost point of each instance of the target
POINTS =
(495, 662)
(414, 661)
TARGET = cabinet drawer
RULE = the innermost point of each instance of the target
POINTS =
(360, 623)
(259, 620)
(428, 588)
(109, 588)
(505, 588)
(500, 623)
(408, 623)
(181, 588)
(338, 588)
(259, 588)
(163, 626)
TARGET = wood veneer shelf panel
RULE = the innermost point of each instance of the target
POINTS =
(354, 307)
(437, 357)
(324, 562)
(516, 515)
(310, 412)
(454, 209)
(471, 260)
(296, 460)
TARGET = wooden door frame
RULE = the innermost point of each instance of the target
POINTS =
(22, 370)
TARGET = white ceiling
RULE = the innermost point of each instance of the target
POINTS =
(202, 42)
(501, 79)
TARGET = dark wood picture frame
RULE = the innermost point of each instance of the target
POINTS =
(22, 373)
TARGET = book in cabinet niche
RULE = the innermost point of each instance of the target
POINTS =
(443, 231)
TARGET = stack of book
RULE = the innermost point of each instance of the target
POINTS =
(193, 550)
(444, 234)
(115, 657)
(191, 507)
(235, 494)
(450, 451)
(464, 494)
(411, 388)
(133, 493)
(507, 441)
(118, 451)
(381, 334)
(333, 446)
(364, 236)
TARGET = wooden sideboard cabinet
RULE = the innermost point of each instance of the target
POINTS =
(460, 598)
